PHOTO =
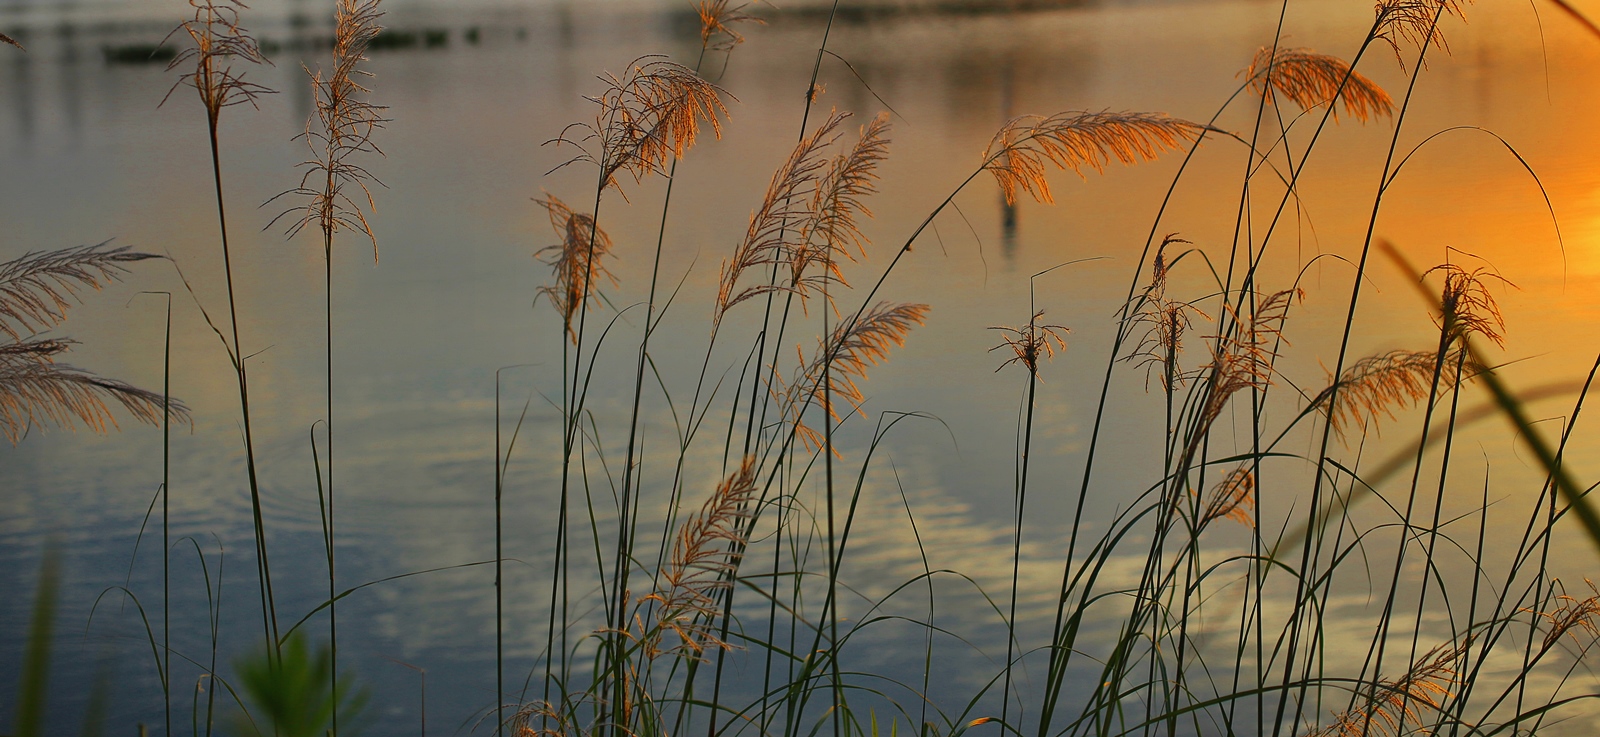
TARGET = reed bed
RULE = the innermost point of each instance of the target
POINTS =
(1215, 599)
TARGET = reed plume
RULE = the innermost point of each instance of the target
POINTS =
(1413, 21)
(704, 555)
(717, 19)
(1309, 79)
(1468, 307)
(771, 236)
(219, 40)
(832, 229)
(1394, 704)
(1165, 321)
(544, 719)
(576, 261)
(35, 390)
(853, 347)
(1030, 341)
(1017, 155)
(37, 288)
(1243, 359)
(340, 128)
(1379, 384)
(1571, 616)
(1234, 497)
(9, 40)
(649, 114)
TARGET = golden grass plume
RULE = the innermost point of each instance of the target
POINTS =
(9, 40)
(1571, 616)
(1018, 153)
(1381, 383)
(576, 261)
(1408, 700)
(1031, 341)
(832, 228)
(1309, 79)
(219, 41)
(705, 553)
(1234, 498)
(340, 128)
(770, 237)
(853, 347)
(1469, 307)
(37, 288)
(1165, 320)
(646, 117)
(1243, 359)
(717, 20)
(34, 390)
(1413, 21)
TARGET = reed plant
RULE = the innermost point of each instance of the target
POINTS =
(1207, 603)
(334, 188)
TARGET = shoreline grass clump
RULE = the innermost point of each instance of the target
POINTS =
(1261, 574)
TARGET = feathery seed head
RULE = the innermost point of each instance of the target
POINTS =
(853, 346)
(218, 41)
(717, 18)
(648, 116)
(1379, 384)
(1309, 79)
(576, 261)
(708, 548)
(1234, 497)
(9, 40)
(1571, 615)
(1413, 21)
(1469, 308)
(1017, 154)
(830, 228)
(37, 288)
(342, 125)
(772, 236)
(1030, 341)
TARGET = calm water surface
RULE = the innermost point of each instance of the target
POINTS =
(89, 155)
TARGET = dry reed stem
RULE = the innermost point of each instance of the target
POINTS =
(651, 113)
(1414, 22)
(1030, 341)
(717, 18)
(576, 261)
(1075, 140)
(218, 41)
(770, 237)
(854, 347)
(1234, 497)
(1402, 701)
(1309, 79)
(1571, 616)
(705, 552)
(37, 288)
(340, 128)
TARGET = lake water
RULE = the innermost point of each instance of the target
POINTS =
(89, 155)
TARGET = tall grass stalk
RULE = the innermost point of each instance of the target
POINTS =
(219, 41)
